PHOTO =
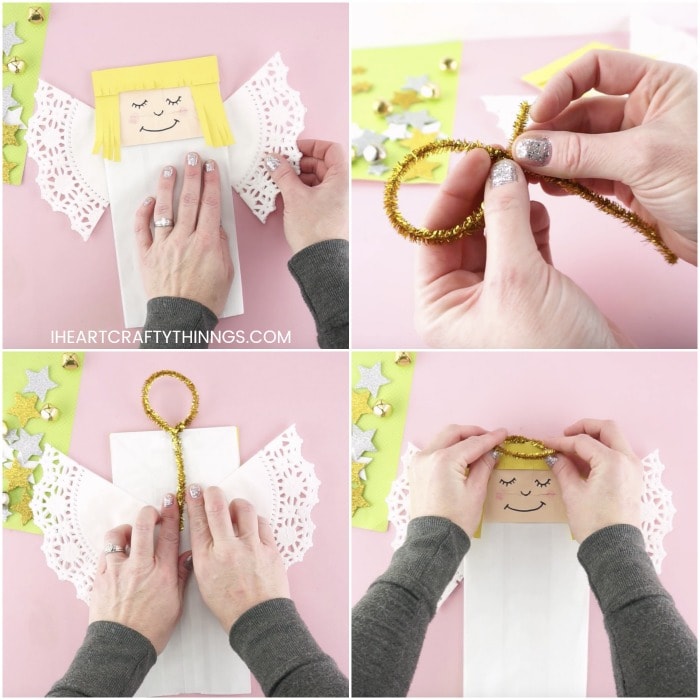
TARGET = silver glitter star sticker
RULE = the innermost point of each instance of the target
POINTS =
(8, 102)
(371, 378)
(396, 132)
(399, 118)
(368, 138)
(362, 442)
(11, 437)
(10, 38)
(39, 383)
(27, 446)
(377, 169)
(416, 83)
(419, 119)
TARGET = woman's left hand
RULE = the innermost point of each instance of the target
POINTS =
(143, 587)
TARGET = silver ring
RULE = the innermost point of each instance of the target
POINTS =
(163, 223)
(114, 549)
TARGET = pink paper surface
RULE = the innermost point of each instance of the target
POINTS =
(653, 398)
(53, 280)
(262, 393)
(652, 302)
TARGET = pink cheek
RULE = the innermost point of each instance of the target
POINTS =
(550, 493)
(499, 496)
(133, 119)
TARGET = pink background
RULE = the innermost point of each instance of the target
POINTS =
(262, 393)
(652, 302)
(41, 251)
(653, 398)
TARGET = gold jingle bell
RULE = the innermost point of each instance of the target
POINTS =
(35, 15)
(430, 91)
(382, 108)
(382, 409)
(5, 429)
(353, 153)
(402, 358)
(5, 498)
(16, 65)
(449, 65)
(373, 154)
(49, 412)
(70, 361)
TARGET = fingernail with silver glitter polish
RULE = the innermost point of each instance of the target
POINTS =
(536, 150)
(495, 454)
(551, 460)
(148, 201)
(272, 162)
(209, 166)
(503, 173)
(192, 159)
(168, 500)
(195, 490)
(188, 563)
(167, 171)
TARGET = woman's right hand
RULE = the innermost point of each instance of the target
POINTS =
(599, 475)
(638, 142)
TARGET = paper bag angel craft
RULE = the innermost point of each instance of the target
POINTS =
(149, 116)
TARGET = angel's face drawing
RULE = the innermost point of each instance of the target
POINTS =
(153, 116)
(523, 496)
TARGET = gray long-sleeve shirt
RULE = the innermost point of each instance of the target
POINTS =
(271, 639)
(654, 652)
(320, 270)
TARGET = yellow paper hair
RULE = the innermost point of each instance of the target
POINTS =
(518, 452)
(201, 75)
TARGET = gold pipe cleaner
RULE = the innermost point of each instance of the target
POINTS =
(504, 448)
(475, 220)
(173, 430)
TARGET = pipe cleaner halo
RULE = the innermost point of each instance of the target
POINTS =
(518, 452)
(475, 220)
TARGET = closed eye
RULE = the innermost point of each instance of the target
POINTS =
(507, 483)
(174, 102)
(543, 483)
(138, 106)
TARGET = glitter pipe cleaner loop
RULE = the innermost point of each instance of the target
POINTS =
(173, 430)
(504, 448)
(475, 220)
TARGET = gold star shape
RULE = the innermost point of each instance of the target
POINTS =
(358, 70)
(17, 476)
(422, 168)
(359, 404)
(22, 508)
(418, 139)
(7, 166)
(24, 408)
(357, 467)
(358, 500)
(405, 98)
(9, 134)
(361, 87)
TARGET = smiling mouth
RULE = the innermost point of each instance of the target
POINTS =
(524, 510)
(143, 128)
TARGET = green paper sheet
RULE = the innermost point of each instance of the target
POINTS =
(64, 397)
(387, 69)
(23, 84)
(382, 470)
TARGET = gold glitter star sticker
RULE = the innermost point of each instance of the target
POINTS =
(22, 508)
(358, 500)
(357, 467)
(361, 87)
(9, 134)
(17, 476)
(7, 166)
(418, 139)
(405, 98)
(358, 70)
(24, 408)
(422, 168)
(359, 404)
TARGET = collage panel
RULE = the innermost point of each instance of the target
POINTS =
(611, 264)
(552, 543)
(150, 202)
(87, 479)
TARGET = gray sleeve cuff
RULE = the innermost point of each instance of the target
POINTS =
(428, 559)
(278, 648)
(112, 662)
(173, 322)
(321, 271)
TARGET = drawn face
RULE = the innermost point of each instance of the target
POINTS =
(153, 116)
(523, 496)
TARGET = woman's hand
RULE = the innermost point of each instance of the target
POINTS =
(234, 554)
(449, 478)
(499, 288)
(190, 259)
(599, 475)
(638, 143)
(143, 586)
(315, 202)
